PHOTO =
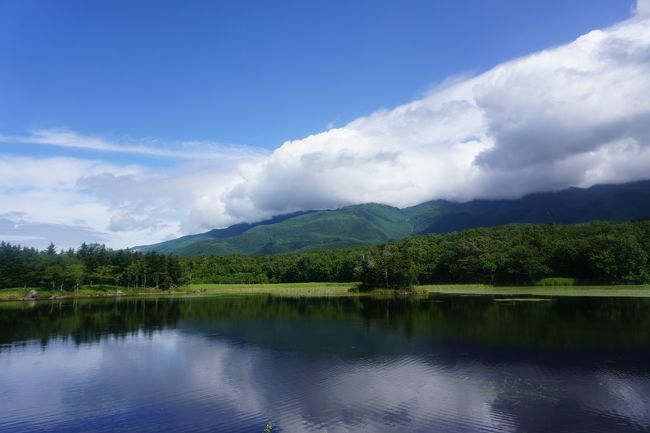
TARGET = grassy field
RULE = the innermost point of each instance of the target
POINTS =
(589, 291)
(17, 294)
(290, 289)
(332, 289)
(347, 289)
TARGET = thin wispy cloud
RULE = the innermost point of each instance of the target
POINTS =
(187, 150)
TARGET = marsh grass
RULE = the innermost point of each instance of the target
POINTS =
(333, 290)
(588, 291)
(97, 291)
(15, 293)
(291, 289)
(556, 281)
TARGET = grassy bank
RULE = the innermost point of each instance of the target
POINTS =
(17, 294)
(588, 291)
(290, 289)
(330, 289)
(347, 289)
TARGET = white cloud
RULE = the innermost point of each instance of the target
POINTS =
(642, 8)
(575, 115)
(40, 197)
(121, 205)
(186, 150)
(16, 230)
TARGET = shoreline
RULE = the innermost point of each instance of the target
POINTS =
(331, 290)
(620, 291)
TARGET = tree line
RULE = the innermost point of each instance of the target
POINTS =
(90, 264)
(592, 253)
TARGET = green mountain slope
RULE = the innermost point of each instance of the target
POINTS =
(372, 223)
(175, 245)
(350, 226)
(575, 205)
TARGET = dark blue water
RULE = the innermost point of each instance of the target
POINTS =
(445, 364)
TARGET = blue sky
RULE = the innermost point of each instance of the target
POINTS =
(255, 72)
(133, 94)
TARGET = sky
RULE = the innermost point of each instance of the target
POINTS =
(128, 123)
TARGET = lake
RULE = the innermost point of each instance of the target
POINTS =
(351, 364)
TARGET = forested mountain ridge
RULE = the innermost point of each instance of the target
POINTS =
(369, 224)
(173, 246)
(623, 202)
(366, 224)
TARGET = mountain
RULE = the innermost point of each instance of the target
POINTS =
(350, 226)
(373, 223)
(621, 202)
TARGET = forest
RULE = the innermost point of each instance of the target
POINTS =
(590, 253)
(90, 264)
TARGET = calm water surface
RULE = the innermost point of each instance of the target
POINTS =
(232, 364)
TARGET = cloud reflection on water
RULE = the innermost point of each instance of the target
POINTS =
(181, 381)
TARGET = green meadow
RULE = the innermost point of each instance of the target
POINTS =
(334, 289)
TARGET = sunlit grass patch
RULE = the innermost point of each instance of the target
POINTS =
(289, 289)
(556, 281)
(641, 291)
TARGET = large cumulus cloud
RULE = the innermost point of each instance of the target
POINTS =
(642, 8)
(574, 115)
